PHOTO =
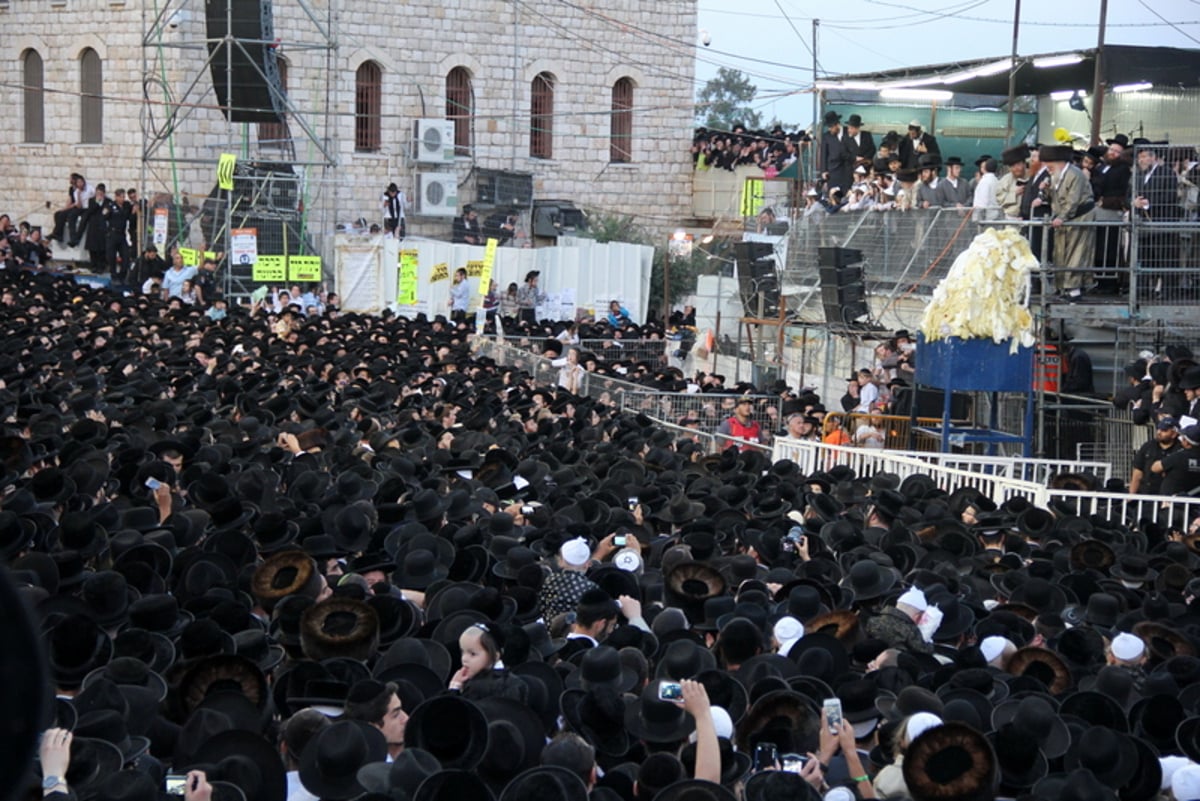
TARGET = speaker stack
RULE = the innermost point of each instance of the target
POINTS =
(758, 278)
(843, 287)
(245, 73)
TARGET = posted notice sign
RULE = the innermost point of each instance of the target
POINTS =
(269, 269)
(243, 245)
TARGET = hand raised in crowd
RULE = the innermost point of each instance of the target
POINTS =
(55, 752)
(197, 787)
(695, 699)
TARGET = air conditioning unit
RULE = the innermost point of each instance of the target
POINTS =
(434, 141)
(437, 194)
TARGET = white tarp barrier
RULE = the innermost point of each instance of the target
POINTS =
(581, 277)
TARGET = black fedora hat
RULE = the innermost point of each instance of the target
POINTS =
(1110, 755)
(1021, 762)
(599, 717)
(401, 777)
(543, 782)
(951, 762)
(601, 667)
(785, 717)
(695, 790)
(1036, 718)
(451, 728)
(515, 739)
(331, 760)
(76, 646)
(248, 761)
(651, 719)
(868, 580)
(452, 785)
(1096, 709)
(92, 761)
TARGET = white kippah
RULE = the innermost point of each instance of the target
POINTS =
(722, 722)
(788, 629)
(1170, 764)
(915, 598)
(576, 552)
(993, 646)
(920, 723)
(1128, 646)
(1185, 783)
(839, 794)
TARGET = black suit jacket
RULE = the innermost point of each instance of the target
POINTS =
(98, 218)
(908, 149)
(837, 161)
(863, 149)
(1034, 187)
(1112, 185)
(1161, 188)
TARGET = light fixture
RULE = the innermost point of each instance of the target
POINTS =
(679, 235)
(931, 80)
(867, 85)
(1067, 94)
(1063, 60)
(916, 94)
(1132, 87)
(995, 68)
(707, 239)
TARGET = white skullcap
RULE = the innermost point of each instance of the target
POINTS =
(722, 722)
(993, 646)
(1170, 764)
(1185, 783)
(1128, 646)
(920, 723)
(839, 794)
(915, 598)
(788, 630)
(575, 552)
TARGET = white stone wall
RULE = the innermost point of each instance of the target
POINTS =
(416, 44)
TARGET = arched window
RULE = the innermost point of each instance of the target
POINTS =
(621, 147)
(275, 134)
(368, 104)
(91, 100)
(460, 107)
(35, 111)
(541, 116)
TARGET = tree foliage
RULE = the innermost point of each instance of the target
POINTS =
(726, 100)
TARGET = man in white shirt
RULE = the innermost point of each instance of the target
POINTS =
(986, 206)
(393, 204)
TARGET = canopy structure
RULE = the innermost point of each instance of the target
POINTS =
(1122, 65)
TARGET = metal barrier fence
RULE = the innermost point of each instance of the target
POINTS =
(1152, 337)
(895, 428)
(658, 353)
(709, 409)
(1174, 511)
(998, 479)
(1145, 254)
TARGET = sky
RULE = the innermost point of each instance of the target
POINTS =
(771, 40)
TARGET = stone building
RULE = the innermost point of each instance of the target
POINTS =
(589, 104)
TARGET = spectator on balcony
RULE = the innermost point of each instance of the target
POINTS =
(393, 205)
(1110, 179)
(956, 191)
(836, 160)
(859, 143)
(466, 228)
(929, 194)
(868, 434)
(1011, 188)
(984, 201)
(1071, 201)
(835, 434)
(1156, 200)
(868, 392)
(916, 144)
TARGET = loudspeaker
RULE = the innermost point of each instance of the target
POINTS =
(843, 287)
(245, 73)
(929, 403)
(757, 277)
(838, 257)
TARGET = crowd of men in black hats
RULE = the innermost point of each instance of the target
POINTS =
(353, 559)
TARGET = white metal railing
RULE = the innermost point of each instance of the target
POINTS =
(1019, 467)
(1176, 511)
